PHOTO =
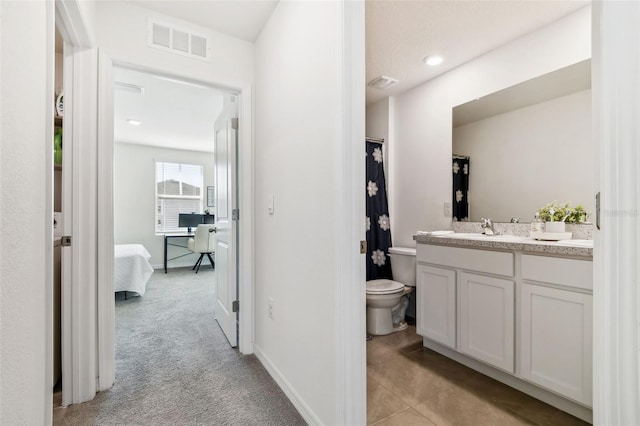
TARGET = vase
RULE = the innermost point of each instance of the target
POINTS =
(554, 227)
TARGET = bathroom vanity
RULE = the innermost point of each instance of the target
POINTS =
(512, 308)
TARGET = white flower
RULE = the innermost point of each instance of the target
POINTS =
(377, 155)
(383, 221)
(378, 257)
(465, 169)
(459, 195)
(367, 223)
(372, 188)
(456, 167)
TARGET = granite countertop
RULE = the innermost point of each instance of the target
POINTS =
(578, 248)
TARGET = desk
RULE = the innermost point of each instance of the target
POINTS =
(167, 243)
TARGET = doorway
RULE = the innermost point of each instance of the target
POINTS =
(166, 134)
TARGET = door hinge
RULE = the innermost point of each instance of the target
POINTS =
(363, 247)
(235, 306)
(65, 241)
(235, 214)
(234, 123)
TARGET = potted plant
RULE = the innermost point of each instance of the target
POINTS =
(555, 216)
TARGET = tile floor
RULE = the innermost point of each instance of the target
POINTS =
(426, 388)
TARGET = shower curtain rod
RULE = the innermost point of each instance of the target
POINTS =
(375, 140)
(461, 157)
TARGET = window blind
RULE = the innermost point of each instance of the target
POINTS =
(178, 190)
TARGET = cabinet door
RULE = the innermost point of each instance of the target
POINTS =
(486, 319)
(555, 333)
(436, 304)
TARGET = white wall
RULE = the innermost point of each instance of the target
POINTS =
(24, 106)
(378, 123)
(134, 197)
(544, 150)
(421, 156)
(121, 31)
(378, 119)
(298, 142)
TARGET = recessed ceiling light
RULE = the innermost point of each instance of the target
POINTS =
(382, 82)
(433, 60)
(134, 122)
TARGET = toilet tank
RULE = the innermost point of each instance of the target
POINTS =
(403, 265)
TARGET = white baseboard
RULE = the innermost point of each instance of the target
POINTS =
(305, 411)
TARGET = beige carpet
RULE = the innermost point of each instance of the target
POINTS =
(175, 367)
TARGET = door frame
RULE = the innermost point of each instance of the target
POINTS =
(350, 283)
(106, 303)
(77, 316)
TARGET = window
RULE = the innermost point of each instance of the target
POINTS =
(178, 190)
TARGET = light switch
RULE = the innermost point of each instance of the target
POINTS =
(270, 205)
(447, 209)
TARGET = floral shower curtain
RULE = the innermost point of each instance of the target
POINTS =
(460, 189)
(377, 220)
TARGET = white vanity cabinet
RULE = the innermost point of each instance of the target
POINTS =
(556, 325)
(458, 305)
(524, 319)
(436, 304)
(487, 322)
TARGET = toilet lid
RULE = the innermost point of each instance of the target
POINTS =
(383, 286)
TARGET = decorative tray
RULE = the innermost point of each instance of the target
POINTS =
(551, 236)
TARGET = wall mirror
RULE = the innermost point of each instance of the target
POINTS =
(526, 145)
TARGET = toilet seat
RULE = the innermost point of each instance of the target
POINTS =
(384, 286)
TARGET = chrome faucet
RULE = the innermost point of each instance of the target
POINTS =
(487, 226)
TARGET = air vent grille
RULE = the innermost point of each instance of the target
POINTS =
(383, 82)
(182, 41)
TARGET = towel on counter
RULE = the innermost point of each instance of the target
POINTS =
(435, 233)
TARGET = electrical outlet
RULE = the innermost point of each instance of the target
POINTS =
(271, 301)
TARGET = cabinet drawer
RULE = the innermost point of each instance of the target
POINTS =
(554, 270)
(491, 262)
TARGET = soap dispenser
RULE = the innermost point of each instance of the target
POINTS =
(536, 224)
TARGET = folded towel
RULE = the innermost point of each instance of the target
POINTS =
(435, 233)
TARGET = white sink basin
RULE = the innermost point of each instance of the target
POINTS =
(484, 237)
(576, 243)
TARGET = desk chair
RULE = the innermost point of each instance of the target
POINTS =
(203, 242)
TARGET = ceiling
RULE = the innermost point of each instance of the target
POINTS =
(173, 113)
(399, 34)
(243, 19)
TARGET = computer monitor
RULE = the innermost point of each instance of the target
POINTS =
(189, 220)
(192, 220)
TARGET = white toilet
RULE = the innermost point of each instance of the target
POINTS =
(385, 297)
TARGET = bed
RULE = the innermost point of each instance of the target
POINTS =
(132, 268)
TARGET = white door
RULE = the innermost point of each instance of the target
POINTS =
(436, 304)
(556, 340)
(226, 227)
(486, 319)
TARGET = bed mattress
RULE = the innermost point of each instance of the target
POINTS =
(132, 268)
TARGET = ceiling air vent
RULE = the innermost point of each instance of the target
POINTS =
(383, 82)
(182, 41)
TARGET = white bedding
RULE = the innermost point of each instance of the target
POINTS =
(132, 268)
